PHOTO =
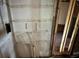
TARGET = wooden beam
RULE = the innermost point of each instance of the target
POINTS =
(68, 20)
(73, 34)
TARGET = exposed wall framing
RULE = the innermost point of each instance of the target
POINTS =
(67, 25)
(74, 34)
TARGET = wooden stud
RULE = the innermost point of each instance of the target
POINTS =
(69, 23)
(73, 34)
(68, 19)
(53, 27)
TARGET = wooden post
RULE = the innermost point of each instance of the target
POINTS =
(74, 3)
(53, 30)
(74, 34)
(67, 25)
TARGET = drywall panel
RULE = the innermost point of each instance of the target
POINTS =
(21, 13)
(40, 45)
(1, 27)
(47, 2)
(32, 22)
(36, 3)
(5, 13)
(24, 38)
(42, 48)
(46, 13)
(20, 2)
(22, 26)
(44, 26)
(36, 14)
(23, 50)
(45, 36)
(7, 46)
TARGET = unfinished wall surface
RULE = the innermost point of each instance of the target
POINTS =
(5, 12)
(7, 46)
(3, 17)
(1, 27)
(2, 31)
(62, 12)
(32, 23)
(60, 22)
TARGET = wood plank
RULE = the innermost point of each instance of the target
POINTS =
(73, 34)
(69, 24)
(69, 16)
